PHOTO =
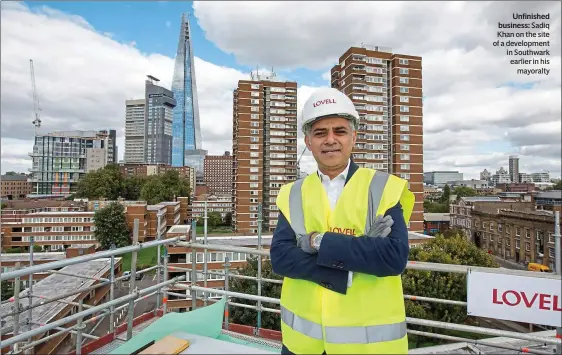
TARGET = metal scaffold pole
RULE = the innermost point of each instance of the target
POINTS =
(112, 291)
(205, 254)
(132, 279)
(194, 265)
(79, 328)
(558, 261)
(260, 220)
(159, 261)
(165, 306)
(30, 289)
(227, 306)
(16, 308)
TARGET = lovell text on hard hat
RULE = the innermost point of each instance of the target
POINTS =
(515, 298)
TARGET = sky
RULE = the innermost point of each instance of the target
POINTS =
(89, 57)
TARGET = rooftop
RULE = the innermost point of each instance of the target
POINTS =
(481, 198)
(555, 194)
(24, 257)
(13, 178)
(436, 217)
(53, 213)
(186, 228)
(54, 285)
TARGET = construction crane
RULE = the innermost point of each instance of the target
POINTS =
(36, 107)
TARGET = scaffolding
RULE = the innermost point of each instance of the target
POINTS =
(24, 341)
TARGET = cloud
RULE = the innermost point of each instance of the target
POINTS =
(473, 96)
(83, 78)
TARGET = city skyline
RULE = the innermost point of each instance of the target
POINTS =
(475, 117)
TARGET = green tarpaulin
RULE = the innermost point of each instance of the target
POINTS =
(205, 321)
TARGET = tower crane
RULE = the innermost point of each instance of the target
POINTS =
(36, 107)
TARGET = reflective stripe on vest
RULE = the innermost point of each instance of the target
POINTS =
(344, 335)
(296, 209)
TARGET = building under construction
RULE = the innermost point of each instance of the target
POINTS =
(80, 284)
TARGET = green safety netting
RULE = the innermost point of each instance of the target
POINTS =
(205, 321)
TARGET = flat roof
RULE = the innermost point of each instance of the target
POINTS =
(169, 203)
(155, 207)
(54, 285)
(15, 257)
(436, 217)
(52, 213)
(180, 228)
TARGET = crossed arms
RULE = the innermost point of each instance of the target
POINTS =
(340, 253)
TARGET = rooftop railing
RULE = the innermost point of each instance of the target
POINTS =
(28, 339)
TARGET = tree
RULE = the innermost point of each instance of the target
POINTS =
(164, 187)
(228, 219)
(7, 289)
(247, 316)
(464, 191)
(111, 226)
(434, 207)
(445, 195)
(452, 250)
(102, 183)
(214, 220)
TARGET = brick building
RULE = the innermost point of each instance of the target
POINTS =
(520, 236)
(386, 89)
(217, 173)
(14, 187)
(264, 146)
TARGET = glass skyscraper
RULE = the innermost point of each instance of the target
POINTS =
(186, 130)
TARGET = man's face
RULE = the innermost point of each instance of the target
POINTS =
(331, 141)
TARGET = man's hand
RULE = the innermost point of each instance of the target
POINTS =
(305, 243)
(382, 225)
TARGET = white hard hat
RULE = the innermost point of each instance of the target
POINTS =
(328, 102)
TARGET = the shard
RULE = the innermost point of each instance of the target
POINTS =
(186, 128)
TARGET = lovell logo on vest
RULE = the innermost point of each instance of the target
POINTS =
(526, 299)
(347, 231)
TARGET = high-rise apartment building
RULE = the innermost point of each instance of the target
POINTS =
(218, 174)
(186, 128)
(264, 147)
(158, 112)
(60, 159)
(134, 131)
(386, 89)
(514, 168)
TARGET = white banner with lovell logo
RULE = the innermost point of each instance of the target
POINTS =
(516, 298)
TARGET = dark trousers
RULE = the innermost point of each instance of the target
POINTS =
(285, 351)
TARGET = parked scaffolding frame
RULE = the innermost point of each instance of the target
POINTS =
(25, 339)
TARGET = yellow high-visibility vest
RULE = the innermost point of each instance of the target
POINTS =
(370, 318)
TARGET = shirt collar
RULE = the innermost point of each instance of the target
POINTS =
(343, 175)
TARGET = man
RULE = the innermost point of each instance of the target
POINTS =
(342, 260)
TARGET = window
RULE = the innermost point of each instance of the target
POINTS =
(255, 108)
(404, 147)
(253, 177)
(404, 80)
(405, 166)
(255, 102)
(517, 231)
(255, 86)
(404, 71)
(254, 131)
(527, 246)
(253, 185)
(404, 137)
(403, 61)
(254, 154)
(254, 139)
(253, 162)
(255, 94)
(404, 109)
(404, 99)
(404, 128)
(404, 156)
(254, 124)
(254, 116)
(404, 90)
(254, 146)
(405, 175)
(527, 233)
(404, 118)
